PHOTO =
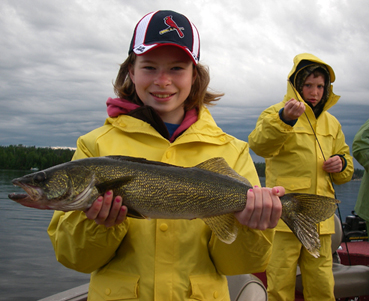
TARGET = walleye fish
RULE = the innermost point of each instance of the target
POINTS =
(212, 191)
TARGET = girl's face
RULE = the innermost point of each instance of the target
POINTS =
(163, 78)
(313, 89)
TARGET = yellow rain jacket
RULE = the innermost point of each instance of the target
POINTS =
(294, 160)
(159, 259)
(292, 154)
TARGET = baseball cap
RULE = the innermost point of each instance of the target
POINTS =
(165, 27)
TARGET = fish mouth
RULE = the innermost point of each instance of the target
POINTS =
(19, 196)
(31, 198)
(64, 200)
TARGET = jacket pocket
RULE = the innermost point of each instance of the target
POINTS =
(113, 285)
(209, 287)
(294, 184)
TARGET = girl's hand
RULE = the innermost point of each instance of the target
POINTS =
(333, 164)
(293, 109)
(106, 211)
(263, 208)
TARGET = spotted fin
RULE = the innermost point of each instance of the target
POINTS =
(220, 166)
(223, 226)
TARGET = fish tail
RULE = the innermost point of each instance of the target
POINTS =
(301, 212)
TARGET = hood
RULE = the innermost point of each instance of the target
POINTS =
(311, 58)
(303, 64)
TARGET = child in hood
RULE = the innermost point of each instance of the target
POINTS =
(305, 151)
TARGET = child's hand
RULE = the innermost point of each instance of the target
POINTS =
(293, 109)
(333, 164)
(106, 211)
(263, 208)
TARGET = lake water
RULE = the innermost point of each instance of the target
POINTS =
(28, 268)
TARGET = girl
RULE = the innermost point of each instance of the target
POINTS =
(160, 115)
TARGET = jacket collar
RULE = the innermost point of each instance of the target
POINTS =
(118, 106)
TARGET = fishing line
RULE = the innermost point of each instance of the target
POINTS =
(311, 126)
(330, 175)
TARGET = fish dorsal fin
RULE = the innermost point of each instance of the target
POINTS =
(112, 184)
(223, 226)
(220, 166)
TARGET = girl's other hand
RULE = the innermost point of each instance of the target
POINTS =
(263, 208)
(333, 164)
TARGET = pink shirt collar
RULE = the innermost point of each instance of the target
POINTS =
(118, 106)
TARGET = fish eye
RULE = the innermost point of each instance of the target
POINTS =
(39, 177)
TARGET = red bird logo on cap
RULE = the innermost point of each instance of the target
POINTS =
(168, 20)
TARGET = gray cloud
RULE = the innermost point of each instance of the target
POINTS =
(59, 59)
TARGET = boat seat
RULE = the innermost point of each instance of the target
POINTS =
(246, 287)
(350, 281)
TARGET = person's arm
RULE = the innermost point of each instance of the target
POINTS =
(360, 146)
(340, 158)
(270, 133)
(80, 243)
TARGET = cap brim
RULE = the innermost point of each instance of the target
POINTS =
(142, 49)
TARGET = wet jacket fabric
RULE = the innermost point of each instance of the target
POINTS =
(292, 155)
(159, 259)
(360, 150)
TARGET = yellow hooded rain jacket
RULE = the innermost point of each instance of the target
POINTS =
(159, 259)
(292, 154)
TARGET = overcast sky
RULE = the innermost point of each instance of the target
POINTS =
(58, 59)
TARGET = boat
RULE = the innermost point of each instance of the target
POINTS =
(78, 293)
(241, 288)
(354, 228)
(350, 262)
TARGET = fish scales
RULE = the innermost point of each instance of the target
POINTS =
(186, 193)
(211, 191)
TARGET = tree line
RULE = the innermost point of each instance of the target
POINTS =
(19, 157)
(26, 157)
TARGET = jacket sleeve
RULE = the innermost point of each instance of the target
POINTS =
(360, 146)
(270, 133)
(80, 243)
(341, 148)
(251, 250)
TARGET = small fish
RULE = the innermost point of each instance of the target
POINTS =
(212, 191)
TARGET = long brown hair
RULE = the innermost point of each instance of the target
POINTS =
(199, 95)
